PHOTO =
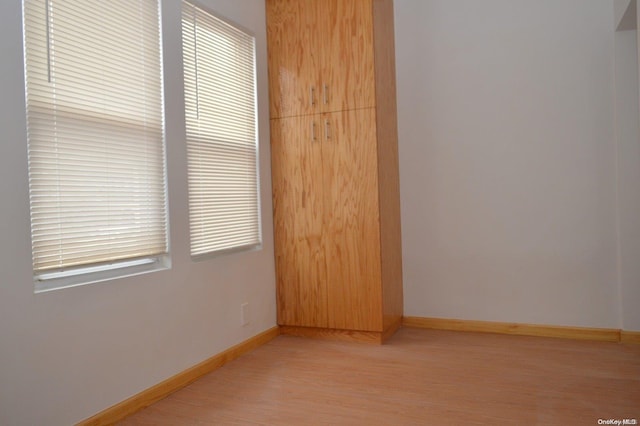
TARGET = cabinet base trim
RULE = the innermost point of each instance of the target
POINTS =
(376, 337)
(564, 332)
(395, 325)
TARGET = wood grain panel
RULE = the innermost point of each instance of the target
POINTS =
(347, 59)
(294, 60)
(388, 162)
(580, 333)
(180, 380)
(421, 377)
(352, 240)
(298, 199)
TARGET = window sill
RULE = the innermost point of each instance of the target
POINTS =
(94, 274)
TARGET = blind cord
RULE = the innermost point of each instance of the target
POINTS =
(47, 4)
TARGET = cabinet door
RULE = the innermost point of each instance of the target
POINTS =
(298, 221)
(352, 237)
(347, 77)
(294, 57)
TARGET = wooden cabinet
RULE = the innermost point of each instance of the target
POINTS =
(335, 167)
(320, 56)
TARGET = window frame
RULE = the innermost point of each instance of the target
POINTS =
(258, 244)
(98, 271)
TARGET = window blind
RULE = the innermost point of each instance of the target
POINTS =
(95, 132)
(220, 113)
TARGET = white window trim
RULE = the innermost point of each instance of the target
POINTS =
(99, 273)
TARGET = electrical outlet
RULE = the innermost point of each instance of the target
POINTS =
(244, 314)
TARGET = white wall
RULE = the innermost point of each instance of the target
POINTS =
(68, 354)
(621, 11)
(628, 153)
(507, 160)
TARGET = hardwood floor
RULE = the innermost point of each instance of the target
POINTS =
(420, 377)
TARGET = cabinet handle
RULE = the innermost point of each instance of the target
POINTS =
(325, 95)
(312, 94)
(313, 131)
(327, 129)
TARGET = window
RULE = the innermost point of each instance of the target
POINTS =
(95, 139)
(220, 113)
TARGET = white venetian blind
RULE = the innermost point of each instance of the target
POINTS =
(95, 132)
(220, 109)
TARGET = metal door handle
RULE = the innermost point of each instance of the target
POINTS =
(327, 129)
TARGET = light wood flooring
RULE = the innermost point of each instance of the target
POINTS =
(420, 377)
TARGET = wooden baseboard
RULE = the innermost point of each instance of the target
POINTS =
(581, 333)
(180, 380)
(630, 337)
